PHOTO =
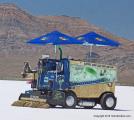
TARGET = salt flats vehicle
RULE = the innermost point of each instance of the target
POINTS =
(71, 83)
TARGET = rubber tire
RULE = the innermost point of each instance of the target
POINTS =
(75, 100)
(103, 101)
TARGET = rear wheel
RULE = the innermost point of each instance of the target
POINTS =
(70, 100)
(108, 101)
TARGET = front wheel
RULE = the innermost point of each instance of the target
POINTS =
(108, 101)
(70, 100)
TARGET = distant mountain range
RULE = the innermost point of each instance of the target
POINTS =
(17, 26)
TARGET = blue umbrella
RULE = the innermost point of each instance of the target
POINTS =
(93, 38)
(55, 38)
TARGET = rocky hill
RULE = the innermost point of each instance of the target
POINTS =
(17, 26)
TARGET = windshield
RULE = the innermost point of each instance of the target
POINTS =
(50, 65)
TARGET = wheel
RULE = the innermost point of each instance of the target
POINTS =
(70, 100)
(108, 101)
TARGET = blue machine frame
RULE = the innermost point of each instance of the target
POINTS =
(50, 79)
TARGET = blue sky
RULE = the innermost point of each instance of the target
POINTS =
(115, 16)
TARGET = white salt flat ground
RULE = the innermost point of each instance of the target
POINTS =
(10, 90)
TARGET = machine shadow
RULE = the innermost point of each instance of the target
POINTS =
(90, 109)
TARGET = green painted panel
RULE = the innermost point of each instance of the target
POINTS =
(86, 73)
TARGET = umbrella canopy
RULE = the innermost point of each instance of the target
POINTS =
(93, 38)
(55, 38)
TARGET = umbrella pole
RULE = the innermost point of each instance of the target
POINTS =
(55, 58)
(90, 53)
(55, 50)
(60, 50)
